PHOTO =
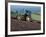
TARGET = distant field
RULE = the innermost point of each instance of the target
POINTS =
(33, 16)
(13, 14)
(36, 17)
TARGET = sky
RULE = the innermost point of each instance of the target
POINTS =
(20, 8)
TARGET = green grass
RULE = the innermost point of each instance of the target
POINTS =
(33, 16)
(36, 17)
(13, 14)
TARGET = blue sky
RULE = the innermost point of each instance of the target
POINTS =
(19, 8)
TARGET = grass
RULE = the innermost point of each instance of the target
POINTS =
(33, 16)
(36, 17)
(13, 14)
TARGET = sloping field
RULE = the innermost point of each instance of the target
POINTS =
(36, 17)
(33, 16)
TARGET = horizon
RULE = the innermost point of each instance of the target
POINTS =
(33, 9)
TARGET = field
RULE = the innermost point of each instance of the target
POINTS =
(17, 25)
(24, 25)
(35, 17)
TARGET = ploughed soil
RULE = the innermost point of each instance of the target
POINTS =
(18, 25)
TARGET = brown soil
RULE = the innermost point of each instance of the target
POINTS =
(18, 25)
